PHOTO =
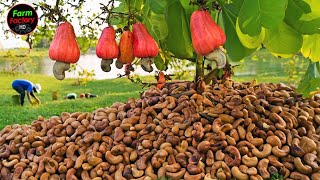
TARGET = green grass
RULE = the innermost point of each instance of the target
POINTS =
(109, 91)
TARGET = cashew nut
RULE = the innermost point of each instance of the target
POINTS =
(59, 69)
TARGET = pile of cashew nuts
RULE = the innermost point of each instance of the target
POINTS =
(230, 131)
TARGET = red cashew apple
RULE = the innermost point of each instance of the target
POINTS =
(207, 37)
(107, 48)
(144, 46)
(64, 49)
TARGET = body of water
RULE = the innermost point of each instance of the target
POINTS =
(88, 62)
(259, 63)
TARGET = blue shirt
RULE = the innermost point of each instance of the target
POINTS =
(25, 84)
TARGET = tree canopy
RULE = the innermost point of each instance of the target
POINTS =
(284, 27)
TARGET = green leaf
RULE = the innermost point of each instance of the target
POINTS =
(255, 14)
(303, 16)
(283, 41)
(189, 9)
(235, 50)
(311, 46)
(117, 21)
(248, 41)
(159, 61)
(178, 41)
(136, 4)
(157, 6)
(156, 24)
(311, 80)
(315, 11)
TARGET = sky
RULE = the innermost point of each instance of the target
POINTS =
(14, 41)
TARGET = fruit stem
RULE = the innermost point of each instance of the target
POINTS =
(129, 15)
(208, 78)
(199, 68)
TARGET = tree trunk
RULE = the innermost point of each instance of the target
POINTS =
(199, 68)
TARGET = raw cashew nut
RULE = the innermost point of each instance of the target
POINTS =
(222, 168)
(159, 158)
(59, 69)
(135, 172)
(4, 151)
(150, 172)
(274, 141)
(315, 176)
(173, 167)
(280, 152)
(193, 169)
(106, 64)
(252, 171)
(79, 161)
(93, 161)
(279, 122)
(297, 175)
(187, 176)
(113, 159)
(17, 172)
(146, 64)
(71, 174)
(10, 163)
(311, 160)
(262, 168)
(176, 176)
(238, 174)
(50, 165)
(255, 141)
(118, 173)
(218, 56)
(204, 146)
(249, 161)
(264, 153)
(45, 175)
(161, 172)
(234, 152)
(305, 169)
(273, 160)
(307, 144)
(119, 64)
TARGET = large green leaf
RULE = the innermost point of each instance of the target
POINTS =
(255, 14)
(311, 47)
(236, 51)
(248, 41)
(155, 23)
(283, 41)
(315, 11)
(157, 6)
(311, 80)
(178, 41)
(303, 16)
